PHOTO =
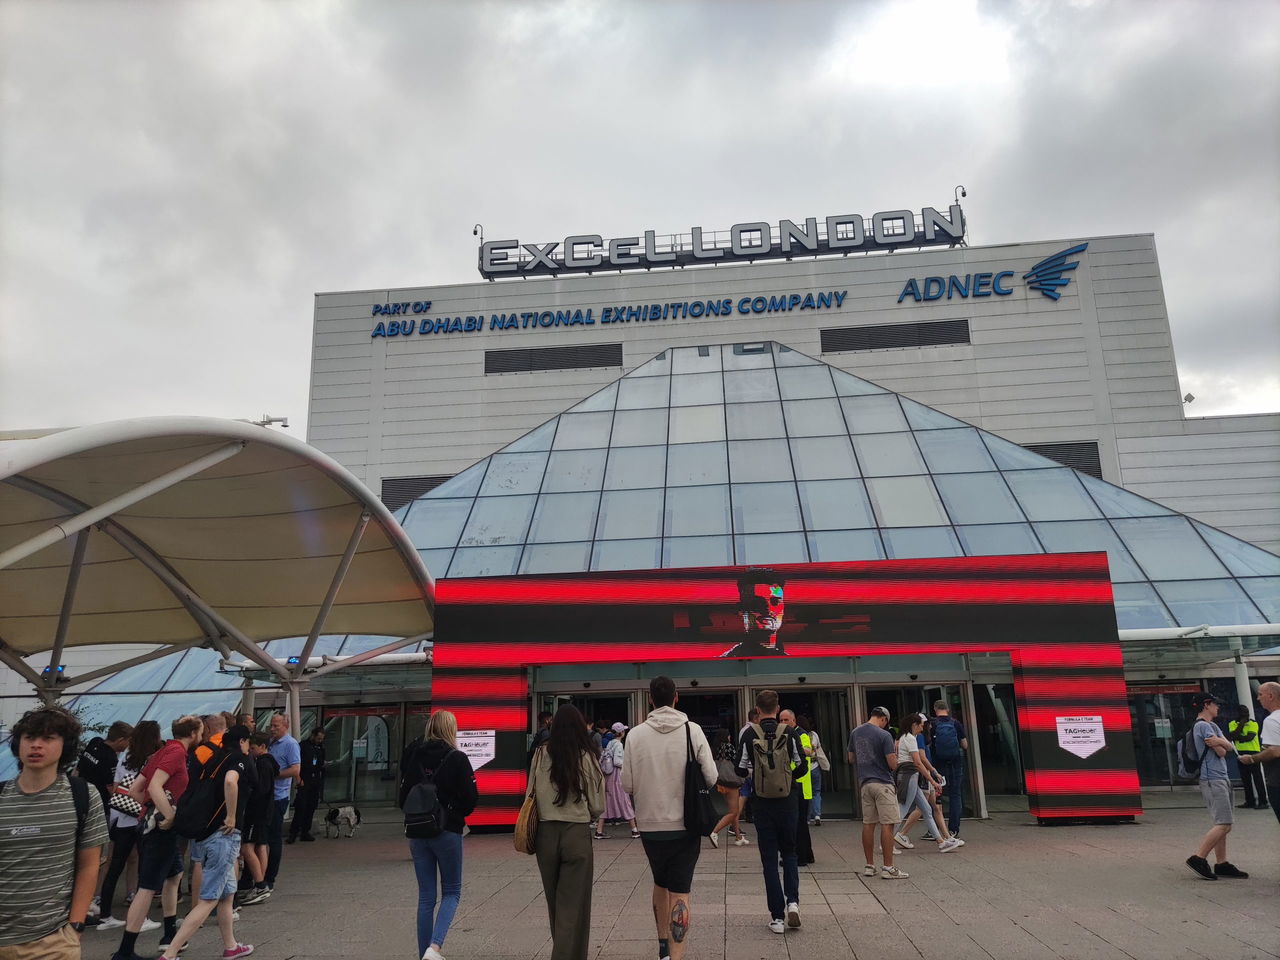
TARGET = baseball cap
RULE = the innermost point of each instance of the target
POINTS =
(619, 727)
(880, 712)
(1200, 699)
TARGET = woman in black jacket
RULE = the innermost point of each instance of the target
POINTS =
(439, 760)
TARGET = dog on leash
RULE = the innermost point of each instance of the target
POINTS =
(337, 817)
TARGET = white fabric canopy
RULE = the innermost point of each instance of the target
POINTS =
(249, 546)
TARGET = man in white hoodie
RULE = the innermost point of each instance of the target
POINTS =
(653, 773)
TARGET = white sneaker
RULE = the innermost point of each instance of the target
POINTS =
(893, 873)
(902, 840)
(817, 821)
(715, 840)
(742, 841)
(149, 925)
(946, 846)
(235, 916)
(110, 923)
(793, 915)
(957, 841)
(432, 954)
(777, 926)
(95, 908)
(869, 870)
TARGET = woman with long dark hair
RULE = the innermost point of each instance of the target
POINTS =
(438, 759)
(143, 742)
(565, 778)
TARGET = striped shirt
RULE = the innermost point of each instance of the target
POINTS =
(38, 858)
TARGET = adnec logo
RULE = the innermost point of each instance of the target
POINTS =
(1046, 277)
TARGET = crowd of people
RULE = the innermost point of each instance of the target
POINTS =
(133, 806)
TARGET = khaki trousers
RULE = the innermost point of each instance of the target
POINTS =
(62, 944)
(566, 862)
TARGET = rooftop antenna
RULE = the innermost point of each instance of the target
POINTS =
(478, 231)
(962, 192)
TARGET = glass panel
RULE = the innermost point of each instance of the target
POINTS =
(659, 366)
(555, 557)
(1243, 559)
(1051, 494)
(497, 520)
(464, 484)
(1082, 536)
(835, 505)
(888, 454)
(1194, 602)
(199, 668)
(787, 357)
(771, 548)
(484, 561)
(168, 707)
(744, 386)
(693, 463)
(926, 418)
(1138, 607)
(437, 561)
(697, 552)
(748, 356)
(639, 428)
(399, 513)
(627, 555)
(696, 424)
(1000, 540)
(751, 460)
(635, 393)
(1010, 456)
(823, 458)
(901, 544)
(765, 507)
(539, 438)
(802, 383)
(1167, 548)
(511, 473)
(695, 359)
(101, 711)
(144, 676)
(847, 385)
(694, 389)
(697, 510)
(754, 421)
(631, 467)
(600, 400)
(814, 418)
(360, 642)
(1118, 502)
(874, 414)
(977, 498)
(954, 451)
(1265, 592)
(837, 545)
(627, 514)
(906, 502)
(563, 517)
(582, 431)
(570, 470)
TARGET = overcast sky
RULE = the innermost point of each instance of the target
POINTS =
(177, 179)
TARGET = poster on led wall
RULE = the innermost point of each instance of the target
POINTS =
(1053, 614)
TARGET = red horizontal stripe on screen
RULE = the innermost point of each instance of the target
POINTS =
(1041, 717)
(489, 782)
(497, 686)
(1069, 688)
(485, 717)
(1111, 810)
(1082, 782)
(493, 817)
(530, 591)
(1046, 656)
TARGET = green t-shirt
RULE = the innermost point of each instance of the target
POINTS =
(38, 857)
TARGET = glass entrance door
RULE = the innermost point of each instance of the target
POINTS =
(362, 745)
(829, 713)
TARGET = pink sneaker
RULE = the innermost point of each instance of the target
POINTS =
(241, 950)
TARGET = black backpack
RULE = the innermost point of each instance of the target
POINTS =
(424, 814)
(1189, 759)
(202, 805)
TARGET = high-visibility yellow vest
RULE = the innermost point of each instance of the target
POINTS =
(1251, 744)
(806, 782)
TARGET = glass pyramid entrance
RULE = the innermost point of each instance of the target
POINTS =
(757, 454)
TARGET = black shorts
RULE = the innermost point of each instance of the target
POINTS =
(158, 858)
(672, 860)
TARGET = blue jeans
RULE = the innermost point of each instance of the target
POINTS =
(442, 853)
(776, 834)
(815, 805)
(275, 841)
(953, 770)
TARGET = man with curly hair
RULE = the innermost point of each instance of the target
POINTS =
(51, 839)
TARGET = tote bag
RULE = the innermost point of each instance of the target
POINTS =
(527, 820)
(699, 815)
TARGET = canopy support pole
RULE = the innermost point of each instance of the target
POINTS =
(370, 654)
(68, 600)
(334, 585)
(1244, 694)
(293, 703)
(14, 660)
(65, 528)
(132, 662)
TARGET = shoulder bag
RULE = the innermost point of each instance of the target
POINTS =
(699, 815)
(120, 801)
(527, 821)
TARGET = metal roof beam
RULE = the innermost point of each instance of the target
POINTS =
(132, 662)
(68, 600)
(16, 662)
(334, 585)
(370, 654)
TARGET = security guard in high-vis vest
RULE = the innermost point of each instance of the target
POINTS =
(1243, 732)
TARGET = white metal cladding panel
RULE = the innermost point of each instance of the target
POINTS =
(433, 387)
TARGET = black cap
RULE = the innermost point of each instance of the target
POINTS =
(235, 735)
(1201, 699)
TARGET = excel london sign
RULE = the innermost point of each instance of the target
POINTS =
(756, 240)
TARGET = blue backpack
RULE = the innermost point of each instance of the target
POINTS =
(946, 740)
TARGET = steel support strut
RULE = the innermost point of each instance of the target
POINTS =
(68, 601)
(334, 585)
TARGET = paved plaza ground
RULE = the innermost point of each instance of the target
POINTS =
(1016, 890)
